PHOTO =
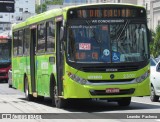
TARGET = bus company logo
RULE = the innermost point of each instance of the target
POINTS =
(111, 70)
(112, 76)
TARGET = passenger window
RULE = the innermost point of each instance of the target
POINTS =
(20, 43)
(50, 36)
(15, 43)
(41, 38)
(26, 41)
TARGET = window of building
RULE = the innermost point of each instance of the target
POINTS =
(20, 9)
(8, 28)
(15, 43)
(20, 43)
(26, 41)
(1, 16)
(50, 36)
(41, 38)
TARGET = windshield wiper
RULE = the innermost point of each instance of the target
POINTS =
(127, 22)
(93, 32)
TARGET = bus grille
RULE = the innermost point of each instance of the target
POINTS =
(111, 81)
(121, 92)
(104, 69)
(2, 74)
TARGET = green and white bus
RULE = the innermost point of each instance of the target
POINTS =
(93, 51)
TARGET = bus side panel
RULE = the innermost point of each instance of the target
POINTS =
(14, 72)
(22, 69)
(42, 71)
(28, 73)
(51, 63)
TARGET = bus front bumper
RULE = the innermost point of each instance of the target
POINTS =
(73, 89)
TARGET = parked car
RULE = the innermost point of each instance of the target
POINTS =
(155, 80)
(10, 78)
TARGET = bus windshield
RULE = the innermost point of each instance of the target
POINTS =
(120, 43)
(5, 51)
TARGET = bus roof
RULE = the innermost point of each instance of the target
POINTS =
(104, 4)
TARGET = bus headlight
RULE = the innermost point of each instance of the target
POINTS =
(142, 77)
(77, 79)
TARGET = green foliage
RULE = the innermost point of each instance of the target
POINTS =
(41, 8)
(155, 44)
(44, 6)
(54, 2)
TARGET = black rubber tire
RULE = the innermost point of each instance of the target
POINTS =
(10, 86)
(52, 91)
(59, 102)
(124, 101)
(28, 96)
(40, 98)
(153, 97)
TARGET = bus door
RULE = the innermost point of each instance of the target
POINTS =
(59, 55)
(32, 58)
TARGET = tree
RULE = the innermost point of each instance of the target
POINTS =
(39, 9)
(155, 44)
(44, 5)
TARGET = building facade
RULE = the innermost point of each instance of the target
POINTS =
(23, 9)
(154, 13)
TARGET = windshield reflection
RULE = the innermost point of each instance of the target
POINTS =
(5, 52)
(107, 43)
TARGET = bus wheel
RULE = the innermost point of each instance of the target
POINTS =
(124, 101)
(28, 96)
(59, 102)
(153, 97)
(10, 86)
(40, 98)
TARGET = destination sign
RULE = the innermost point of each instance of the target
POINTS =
(106, 13)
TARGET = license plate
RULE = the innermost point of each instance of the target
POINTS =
(112, 90)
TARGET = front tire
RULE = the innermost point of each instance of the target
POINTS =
(153, 97)
(28, 96)
(10, 86)
(124, 101)
(59, 102)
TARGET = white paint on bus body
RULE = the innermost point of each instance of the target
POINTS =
(44, 65)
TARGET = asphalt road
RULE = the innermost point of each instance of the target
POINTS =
(13, 101)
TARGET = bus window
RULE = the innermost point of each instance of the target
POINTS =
(20, 43)
(26, 41)
(50, 36)
(41, 38)
(15, 43)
